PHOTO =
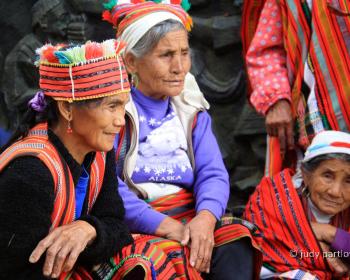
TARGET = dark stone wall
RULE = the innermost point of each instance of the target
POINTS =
(217, 64)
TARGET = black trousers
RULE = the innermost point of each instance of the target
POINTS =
(232, 261)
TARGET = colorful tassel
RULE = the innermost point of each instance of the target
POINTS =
(109, 5)
(48, 54)
(63, 57)
(93, 50)
(108, 48)
(107, 16)
(186, 5)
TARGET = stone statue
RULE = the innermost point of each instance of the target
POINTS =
(52, 21)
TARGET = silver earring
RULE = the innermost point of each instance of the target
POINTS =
(134, 80)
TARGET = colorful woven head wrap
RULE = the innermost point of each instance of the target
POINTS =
(88, 71)
(133, 18)
(327, 142)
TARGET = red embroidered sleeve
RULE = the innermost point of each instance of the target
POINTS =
(266, 60)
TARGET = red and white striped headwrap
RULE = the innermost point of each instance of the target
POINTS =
(73, 73)
(327, 142)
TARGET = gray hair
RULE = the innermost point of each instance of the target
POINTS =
(311, 165)
(154, 35)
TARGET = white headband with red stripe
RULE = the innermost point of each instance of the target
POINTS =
(327, 142)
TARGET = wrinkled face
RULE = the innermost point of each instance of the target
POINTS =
(96, 125)
(329, 186)
(162, 71)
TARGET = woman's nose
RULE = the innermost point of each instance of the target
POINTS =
(177, 65)
(335, 189)
(119, 119)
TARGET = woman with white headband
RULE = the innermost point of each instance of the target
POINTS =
(174, 184)
(304, 222)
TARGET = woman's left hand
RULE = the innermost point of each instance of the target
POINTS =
(199, 232)
(324, 232)
(63, 246)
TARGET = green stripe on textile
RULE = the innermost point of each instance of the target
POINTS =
(300, 29)
(328, 80)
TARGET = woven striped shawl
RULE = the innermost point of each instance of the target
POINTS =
(323, 37)
(286, 235)
(37, 144)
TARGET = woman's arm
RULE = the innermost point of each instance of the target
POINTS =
(341, 242)
(26, 203)
(266, 60)
(211, 191)
(267, 70)
(211, 187)
(93, 238)
(139, 215)
(107, 217)
(337, 239)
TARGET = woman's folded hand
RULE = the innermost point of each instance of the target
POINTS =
(171, 229)
(324, 232)
(199, 234)
(63, 246)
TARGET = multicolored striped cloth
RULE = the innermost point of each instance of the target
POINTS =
(37, 144)
(286, 237)
(166, 259)
(73, 73)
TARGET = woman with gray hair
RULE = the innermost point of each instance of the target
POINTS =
(304, 220)
(174, 183)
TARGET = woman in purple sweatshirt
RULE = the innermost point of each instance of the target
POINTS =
(173, 182)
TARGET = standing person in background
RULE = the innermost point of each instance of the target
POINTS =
(175, 186)
(298, 66)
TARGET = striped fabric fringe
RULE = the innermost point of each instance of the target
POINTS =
(286, 236)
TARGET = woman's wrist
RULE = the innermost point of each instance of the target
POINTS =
(89, 230)
(324, 232)
(168, 226)
(208, 215)
(329, 233)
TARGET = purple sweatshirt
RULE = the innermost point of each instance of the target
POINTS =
(209, 181)
(341, 242)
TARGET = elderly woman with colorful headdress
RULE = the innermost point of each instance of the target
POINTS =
(175, 186)
(60, 212)
(303, 218)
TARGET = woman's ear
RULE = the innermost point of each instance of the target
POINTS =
(65, 110)
(306, 176)
(130, 63)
